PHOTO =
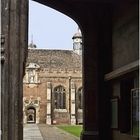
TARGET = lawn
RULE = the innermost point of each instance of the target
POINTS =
(73, 129)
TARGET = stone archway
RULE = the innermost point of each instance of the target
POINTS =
(95, 21)
(96, 36)
(31, 107)
(16, 28)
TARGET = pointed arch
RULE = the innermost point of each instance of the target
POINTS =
(59, 97)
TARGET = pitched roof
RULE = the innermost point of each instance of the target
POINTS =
(63, 59)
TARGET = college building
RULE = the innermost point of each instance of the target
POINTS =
(52, 85)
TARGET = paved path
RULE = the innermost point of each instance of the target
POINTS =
(46, 132)
(50, 132)
(32, 132)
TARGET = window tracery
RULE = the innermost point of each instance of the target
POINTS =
(59, 98)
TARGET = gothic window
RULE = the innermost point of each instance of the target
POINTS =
(80, 96)
(59, 98)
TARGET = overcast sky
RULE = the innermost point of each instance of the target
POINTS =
(50, 29)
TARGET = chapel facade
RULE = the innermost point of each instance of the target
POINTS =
(52, 89)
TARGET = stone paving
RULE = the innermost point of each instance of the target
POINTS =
(31, 132)
(50, 132)
(46, 132)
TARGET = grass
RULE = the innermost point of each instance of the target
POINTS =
(72, 129)
(135, 129)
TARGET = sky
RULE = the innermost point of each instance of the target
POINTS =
(49, 28)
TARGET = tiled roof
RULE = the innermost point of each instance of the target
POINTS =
(63, 59)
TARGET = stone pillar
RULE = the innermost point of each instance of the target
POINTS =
(37, 115)
(72, 100)
(24, 115)
(14, 28)
(48, 118)
(25, 119)
(96, 62)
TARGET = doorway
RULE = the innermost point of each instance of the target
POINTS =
(31, 115)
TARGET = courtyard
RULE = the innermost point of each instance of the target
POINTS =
(46, 132)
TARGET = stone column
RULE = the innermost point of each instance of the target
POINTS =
(48, 117)
(24, 116)
(72, 100)
(14, 28)
(96, 62)
(37, 114)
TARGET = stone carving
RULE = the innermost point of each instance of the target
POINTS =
(31, 101)
(2, 49)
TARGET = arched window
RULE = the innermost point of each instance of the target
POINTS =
(80, 96)
(59, 98)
